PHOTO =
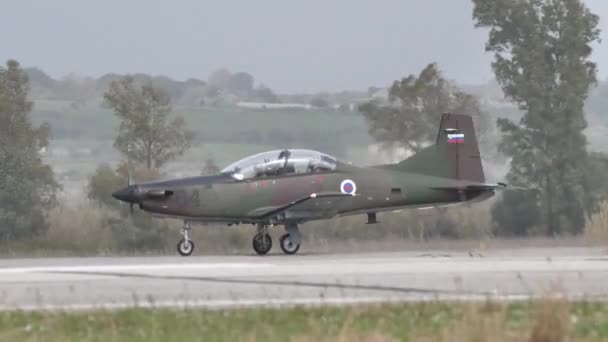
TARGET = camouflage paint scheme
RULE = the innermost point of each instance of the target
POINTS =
(442, 174)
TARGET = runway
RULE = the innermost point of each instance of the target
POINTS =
(276, 280)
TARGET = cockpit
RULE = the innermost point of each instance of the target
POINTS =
(281, 162)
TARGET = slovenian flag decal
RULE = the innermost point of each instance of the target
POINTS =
(456, 138)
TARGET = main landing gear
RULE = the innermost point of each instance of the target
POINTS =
(262, 242)
(185, 246)
(289, 242)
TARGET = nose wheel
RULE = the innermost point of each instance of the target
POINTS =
(288, 246)
(290, 242)
(185, 246)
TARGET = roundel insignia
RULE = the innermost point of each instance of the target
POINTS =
(348, 187)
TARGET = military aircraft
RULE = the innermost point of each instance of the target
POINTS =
(293, 186)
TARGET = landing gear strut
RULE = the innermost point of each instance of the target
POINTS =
(290, 242)
(262, 242)
(185, 246)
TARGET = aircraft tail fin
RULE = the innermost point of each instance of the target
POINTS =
(455, 154)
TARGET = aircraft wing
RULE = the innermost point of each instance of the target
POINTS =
(315, 204)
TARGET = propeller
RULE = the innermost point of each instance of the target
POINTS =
(129, 184)
(129, 178)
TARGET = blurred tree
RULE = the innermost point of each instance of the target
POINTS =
(345, 107)
(219, 78)
(265, 94)
(541, 59)
(596, 177)
(415, 106)
(41, 84)
(27, 186)
(146, 136)
(241, 84)
(212, 91)
(319, 101)
(102, 184)
(174, 88)
(75, 88)
(210, 167)
(372, 90)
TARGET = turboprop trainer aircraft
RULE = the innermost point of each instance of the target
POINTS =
(290, 187)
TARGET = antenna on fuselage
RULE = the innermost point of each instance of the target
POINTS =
(285, 154)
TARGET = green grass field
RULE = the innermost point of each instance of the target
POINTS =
(545, 320)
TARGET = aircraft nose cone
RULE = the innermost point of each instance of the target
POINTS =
(126, 194)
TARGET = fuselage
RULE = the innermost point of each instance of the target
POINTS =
(223, 198)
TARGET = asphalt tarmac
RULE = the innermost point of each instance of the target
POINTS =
(278, 280)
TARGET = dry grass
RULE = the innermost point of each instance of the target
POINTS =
(488, 324)
(596, 228)
(473, 221)
(546, 320)
(82, 225)
(550, 321)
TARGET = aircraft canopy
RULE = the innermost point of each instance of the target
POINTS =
(281, 162)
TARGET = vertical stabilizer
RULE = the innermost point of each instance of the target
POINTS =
(455, 155)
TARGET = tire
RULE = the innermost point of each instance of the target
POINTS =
(185, 248)
(262, 243)
(287, 246)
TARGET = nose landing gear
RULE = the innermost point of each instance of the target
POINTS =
(288, 246)
(185, 246)
(290, 242)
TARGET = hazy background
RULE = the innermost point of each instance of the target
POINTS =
(292, 46)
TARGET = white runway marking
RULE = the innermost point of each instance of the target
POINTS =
(145, 267)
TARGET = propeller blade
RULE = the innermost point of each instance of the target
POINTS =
(129, 180)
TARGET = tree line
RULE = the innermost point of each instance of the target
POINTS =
(221, 85)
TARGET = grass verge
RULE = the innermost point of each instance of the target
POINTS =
(544, 320)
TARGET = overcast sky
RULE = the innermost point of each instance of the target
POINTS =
(291, 46)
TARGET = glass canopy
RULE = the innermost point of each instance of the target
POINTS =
(281, 162)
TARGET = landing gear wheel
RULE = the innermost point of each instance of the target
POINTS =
(288, 246)
(262, 243)
(185, 247)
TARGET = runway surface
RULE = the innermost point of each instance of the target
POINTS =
(238, 281)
